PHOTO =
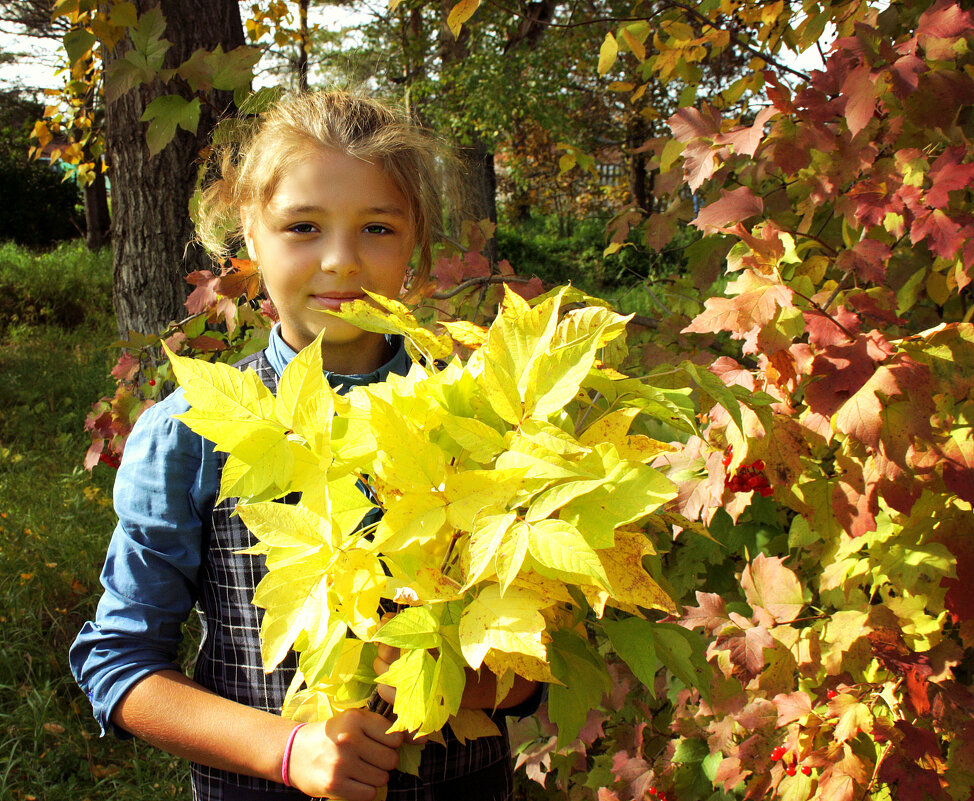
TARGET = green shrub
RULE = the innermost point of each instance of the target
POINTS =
(40, 207)
(558, 251)
(67, 286)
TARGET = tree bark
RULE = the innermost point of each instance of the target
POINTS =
(97, 220)
(152, 230)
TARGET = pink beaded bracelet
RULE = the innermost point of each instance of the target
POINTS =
(286, 762)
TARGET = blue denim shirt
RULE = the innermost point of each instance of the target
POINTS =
(164, 495)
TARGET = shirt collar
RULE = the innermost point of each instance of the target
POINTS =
(279, 354)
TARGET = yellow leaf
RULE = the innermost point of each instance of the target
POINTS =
(529, 667)
(560, 551)
(611, 427)
(628, 579)
(282, 525)
(459, 14)
(608, 53)
(473, 492)
(467, 334)
(469, 724)
(304, 399)
(221, 390)
(511, 623)
(637, 47)
(415, 518)
(484, 543)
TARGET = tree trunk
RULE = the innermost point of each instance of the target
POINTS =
(152, 230)
(303, 46)
(97, 220)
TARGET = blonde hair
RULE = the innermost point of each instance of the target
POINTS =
(417, 161)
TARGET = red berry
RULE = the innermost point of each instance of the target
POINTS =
(152, 382)
(726, 461)
(758, 465)
(790, 770)
(765, 492)
(652, 791)
(778, 753)
(807, 771)
(831, 694)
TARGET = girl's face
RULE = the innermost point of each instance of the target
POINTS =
(334, 227)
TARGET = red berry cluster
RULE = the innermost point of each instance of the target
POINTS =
(749, 477)
(780, 753)
(660, 795)
(111, 459)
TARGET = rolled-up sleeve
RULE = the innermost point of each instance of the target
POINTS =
(164, 489)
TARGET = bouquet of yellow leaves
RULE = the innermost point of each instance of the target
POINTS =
(510, 488)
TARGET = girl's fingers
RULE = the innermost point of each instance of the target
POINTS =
(376, 728)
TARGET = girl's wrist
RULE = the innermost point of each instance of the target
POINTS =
(286, 759)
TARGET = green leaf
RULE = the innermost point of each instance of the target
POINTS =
(643, 645)
(632, 639)
(147, 38)
(77, 43)
(167, 113)
(584, 680)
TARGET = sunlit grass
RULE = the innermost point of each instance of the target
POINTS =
(55, 521)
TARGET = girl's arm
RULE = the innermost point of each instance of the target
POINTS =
(347, 757)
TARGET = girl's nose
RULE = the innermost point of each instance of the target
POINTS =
(340, 255)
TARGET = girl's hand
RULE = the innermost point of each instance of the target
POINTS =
(347, 757)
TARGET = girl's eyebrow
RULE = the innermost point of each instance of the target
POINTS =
(391, 211)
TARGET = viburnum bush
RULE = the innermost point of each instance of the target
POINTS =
(837, 606)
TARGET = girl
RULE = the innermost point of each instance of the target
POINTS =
(333, 195)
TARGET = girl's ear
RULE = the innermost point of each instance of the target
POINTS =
(246, 221)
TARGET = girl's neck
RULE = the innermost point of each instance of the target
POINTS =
(365, 356)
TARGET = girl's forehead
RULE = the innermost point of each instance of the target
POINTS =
(329, 180)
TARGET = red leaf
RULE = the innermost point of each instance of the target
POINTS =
(859, 90)
(792, 707)
(756, 305)
(854, 506)
(690, 123)
(945, 20)
(733, 206)
(699, 164)
(710, 613)
(745, 139)
(944, 235)
(861, 416)
(947, 175)
(867, 259)
(822, 330)
(959, 600)
(126, 367)
(905, 74)
(528, 290)
(840, 370)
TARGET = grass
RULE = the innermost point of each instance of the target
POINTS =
(55, 521)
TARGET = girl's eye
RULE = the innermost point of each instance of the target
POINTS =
(377, 228)
(302, 228)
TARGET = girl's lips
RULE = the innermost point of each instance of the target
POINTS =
(334, 302)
